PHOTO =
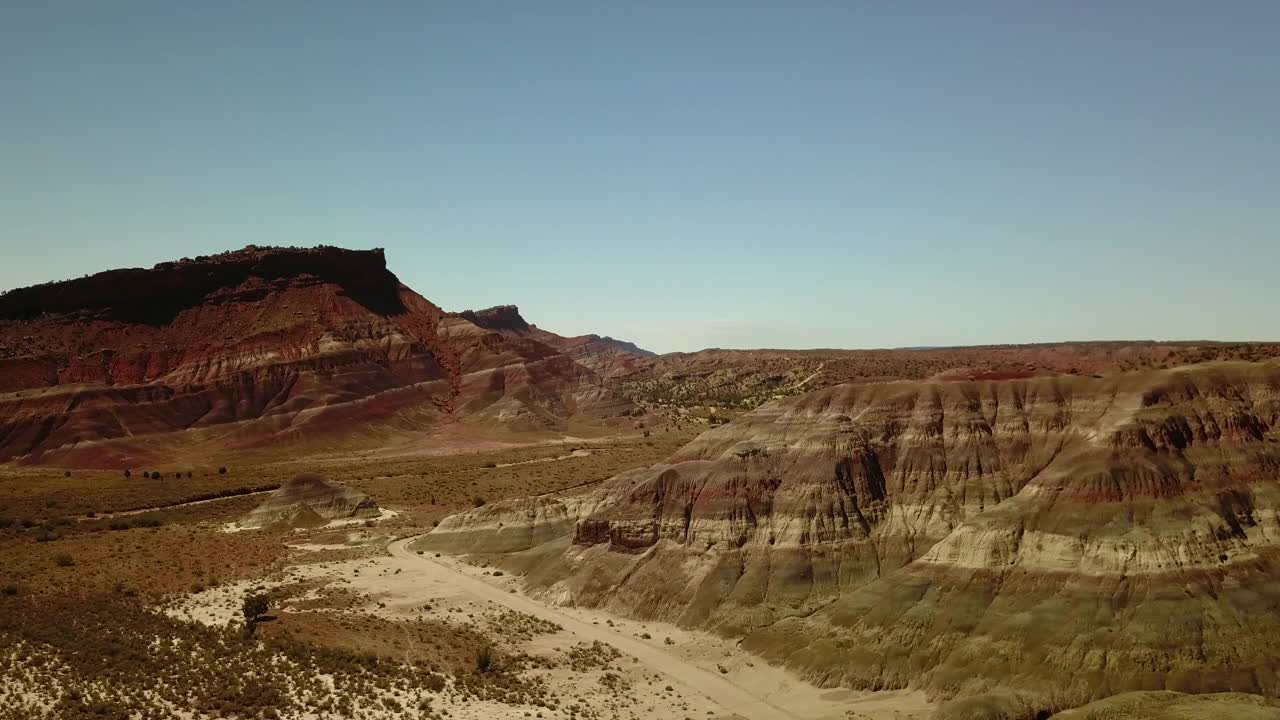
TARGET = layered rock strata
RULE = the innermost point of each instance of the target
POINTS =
(308, 500)
(1055, 539)
(267, 345)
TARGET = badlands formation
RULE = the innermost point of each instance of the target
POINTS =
(311, 501)
(266, 347)
(1014, 547)
(994, 532)
(259, 347)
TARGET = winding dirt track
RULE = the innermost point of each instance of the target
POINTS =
(174, 506)
(729, 696)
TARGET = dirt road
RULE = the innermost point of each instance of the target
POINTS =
(729, 696)
(175, 506)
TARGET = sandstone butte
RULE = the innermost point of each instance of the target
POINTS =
(264, 346)
(1014, 547)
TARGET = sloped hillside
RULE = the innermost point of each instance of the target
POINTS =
(1018, 546)
(608, 357)
(266, 344)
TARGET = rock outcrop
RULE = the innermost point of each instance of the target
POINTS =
(265, 345)
(1038, 542)
(310, 501)
(607, 357)
(511, 526)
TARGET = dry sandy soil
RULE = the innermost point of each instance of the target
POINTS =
(89, 557)
(665, 671)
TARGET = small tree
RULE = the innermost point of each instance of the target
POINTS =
(127, 473)
(255, 606)
(222, 471)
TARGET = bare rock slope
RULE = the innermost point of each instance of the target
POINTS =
(609, 357)
(256, 347)
(1018, 546)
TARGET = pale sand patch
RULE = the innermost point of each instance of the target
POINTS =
(749, 687)
(708, 677)
(383, 515)
(645, 695)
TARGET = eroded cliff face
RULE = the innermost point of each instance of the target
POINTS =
(1051, 539)
(288, 341)
(1144, 556)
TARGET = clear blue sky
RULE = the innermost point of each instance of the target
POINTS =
(682, 174)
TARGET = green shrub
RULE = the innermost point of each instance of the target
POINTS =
(255, 606)
(433, 682)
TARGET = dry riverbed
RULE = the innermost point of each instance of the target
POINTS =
(597, 665)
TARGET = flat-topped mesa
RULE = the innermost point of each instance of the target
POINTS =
(501, 318)
(605, 356)
(287, 342)
(159, 293)
(879, 535)
(621, 345)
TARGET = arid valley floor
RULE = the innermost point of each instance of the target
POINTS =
(101, 567)
(278, 483)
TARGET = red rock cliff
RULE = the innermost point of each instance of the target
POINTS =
(289, 340)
